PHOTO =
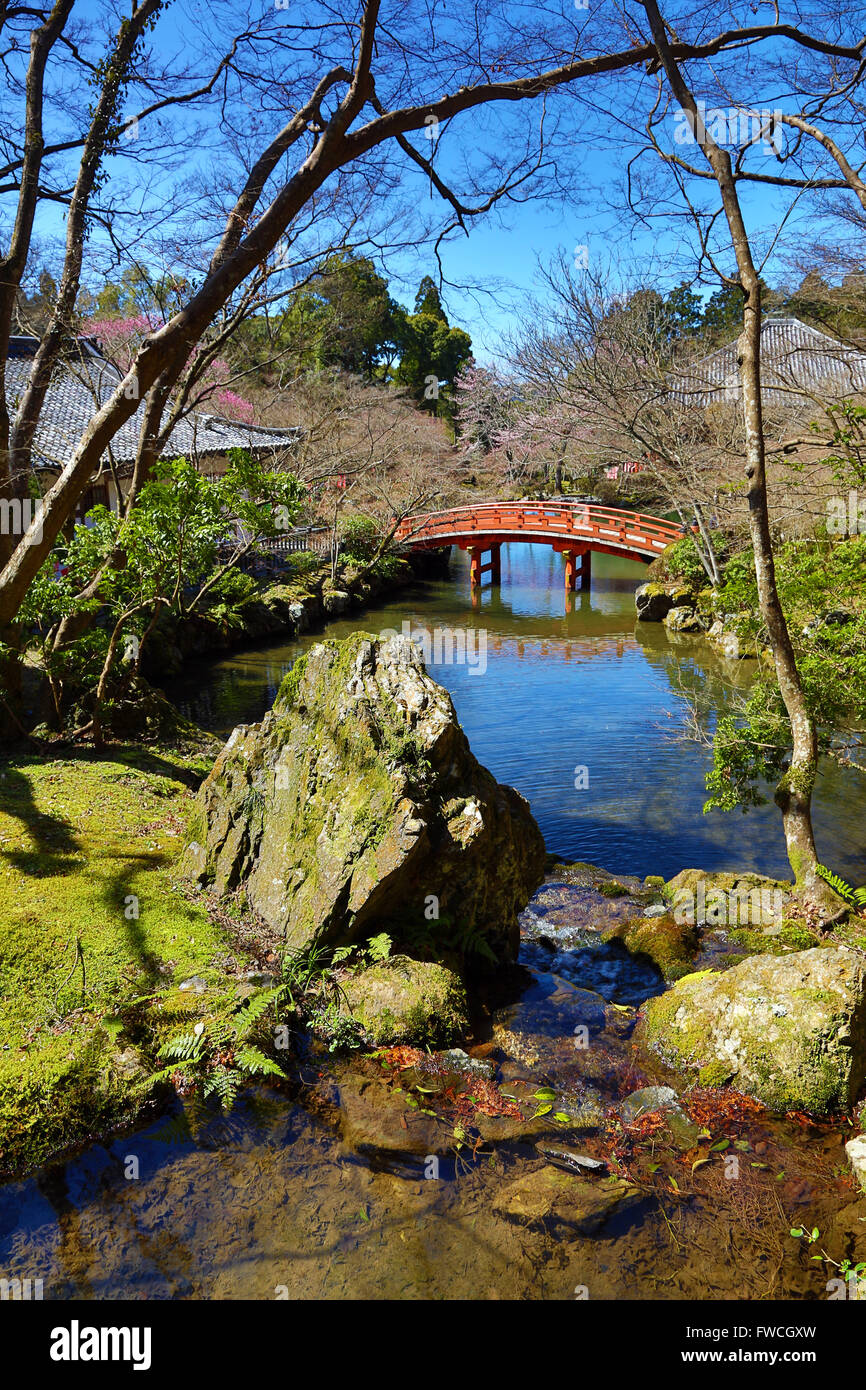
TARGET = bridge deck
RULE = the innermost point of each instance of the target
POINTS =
(567, 526)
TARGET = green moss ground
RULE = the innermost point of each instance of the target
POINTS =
(78, 836)
(755, 942)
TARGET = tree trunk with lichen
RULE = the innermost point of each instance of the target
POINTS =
(793, 795)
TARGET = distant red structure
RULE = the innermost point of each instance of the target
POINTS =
(575, 529)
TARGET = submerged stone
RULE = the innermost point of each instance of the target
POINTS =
(647, 1099)
(586, 1110)
(548, 1194)
(374, 1117)
(571, 1162)
(662, 1099)
(459, 1061)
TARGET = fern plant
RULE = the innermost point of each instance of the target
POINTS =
(472, 942)
(855, 896)
(340, 1032)
(216, 1056)
(444, 937)
(377, 948)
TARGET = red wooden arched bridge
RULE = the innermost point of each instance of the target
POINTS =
(575, 529)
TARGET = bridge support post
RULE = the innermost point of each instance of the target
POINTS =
(573, 571)
(475, 566)
(586, 571)
(493, 566)
(570, 570)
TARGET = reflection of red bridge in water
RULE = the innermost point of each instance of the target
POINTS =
(575, 529)
(544, 649)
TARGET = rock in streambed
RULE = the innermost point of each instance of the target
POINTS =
(550, 1195)
(788, 1030)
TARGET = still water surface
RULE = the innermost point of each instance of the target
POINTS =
(590, 688)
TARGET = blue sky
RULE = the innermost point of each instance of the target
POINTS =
(503, 249)
(507, 257)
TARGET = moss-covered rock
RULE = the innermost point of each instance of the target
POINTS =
(580, 874)
(856, 1151)
(654, 601)
(303, 598)
(670, 945)
(143, 715)
(789, 1030)
(683, 618)
(357, 801)
(609, 888)
(755, 941)
(733, 642)
(407, 1001)
(728, 900)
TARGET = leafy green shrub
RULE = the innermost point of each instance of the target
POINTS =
(358, 537)
(388, 566)
(228, 597)
(683, 561)
(302, 562)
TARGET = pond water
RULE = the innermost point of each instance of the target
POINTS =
(553, 691)
(326, 1186)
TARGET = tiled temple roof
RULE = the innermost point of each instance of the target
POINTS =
(797, 363)
(80, 386)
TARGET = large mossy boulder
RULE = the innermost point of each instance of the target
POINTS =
(788, 1030)
(407, 1001)
(655, 600)
(357, 803)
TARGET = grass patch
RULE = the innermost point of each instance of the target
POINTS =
(90, 918)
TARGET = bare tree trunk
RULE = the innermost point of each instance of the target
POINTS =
(13, 263)
(10, 681)
(708, 553)
(794, 793)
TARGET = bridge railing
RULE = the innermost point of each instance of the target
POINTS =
(581, 520)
